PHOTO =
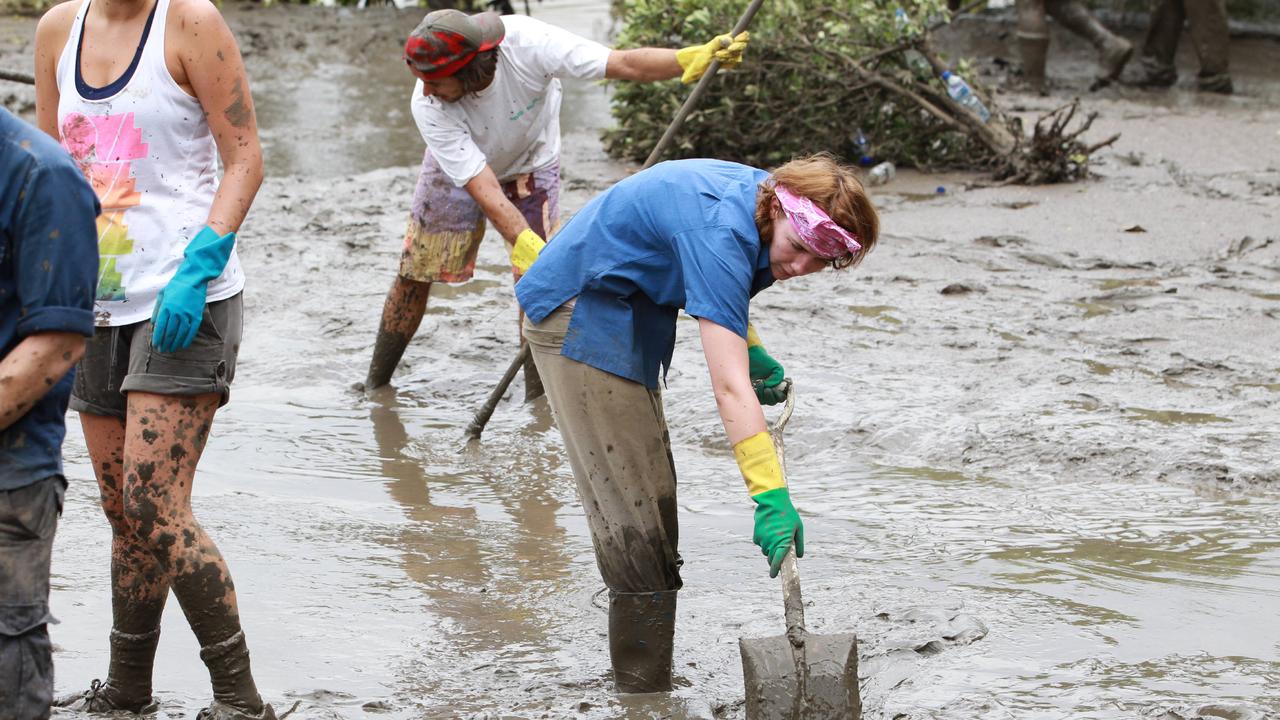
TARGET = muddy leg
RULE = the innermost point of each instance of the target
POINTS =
(1161, 43)
(139, 588)
(1113, 50)
(164, 439)
(615, 435)
(1208, 20)
(1033, 42)
(401, 314)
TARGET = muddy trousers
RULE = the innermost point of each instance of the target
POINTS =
(28, 519)
(1208, 24)
(615, 435)
(1033, 37)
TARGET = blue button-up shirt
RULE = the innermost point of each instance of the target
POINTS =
(48, 272)
(681, 234)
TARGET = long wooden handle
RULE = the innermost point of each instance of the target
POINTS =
(486, 411)
(704, 83)
(791, 599)
(476, 427)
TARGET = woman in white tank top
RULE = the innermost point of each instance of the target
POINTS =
(147, 95)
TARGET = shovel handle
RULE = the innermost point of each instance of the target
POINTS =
(791, 600)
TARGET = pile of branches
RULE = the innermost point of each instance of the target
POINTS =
(857, 78)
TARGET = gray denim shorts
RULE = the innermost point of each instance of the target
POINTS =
(119, 360)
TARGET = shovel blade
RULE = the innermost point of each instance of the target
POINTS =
(773, 687)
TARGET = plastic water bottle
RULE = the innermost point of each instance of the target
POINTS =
(916, 62)
(881, 174)
(960, 91)
(864, 148)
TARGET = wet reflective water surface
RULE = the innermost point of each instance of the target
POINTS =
(1052, 495)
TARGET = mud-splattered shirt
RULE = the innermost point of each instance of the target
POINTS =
(48, 266)
(681, 234)
(514, 124)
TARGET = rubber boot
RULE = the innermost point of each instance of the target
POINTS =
(1161, 44)
(1113, 51)
(532, 381)
(128, 685)
(387, 351)
(641, 633)
(1034, 50)
(235, 695)
(1207, 21)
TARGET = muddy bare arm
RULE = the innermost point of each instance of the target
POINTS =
(726, 354)
(486, 191)
(215, 71)
(32, 368)
(642, 65)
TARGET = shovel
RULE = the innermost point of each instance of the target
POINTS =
(799, 675)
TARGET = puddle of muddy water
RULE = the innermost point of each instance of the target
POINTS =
(385, 568)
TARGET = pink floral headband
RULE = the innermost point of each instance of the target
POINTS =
(815, 227)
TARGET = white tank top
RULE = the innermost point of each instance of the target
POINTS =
(147, 150)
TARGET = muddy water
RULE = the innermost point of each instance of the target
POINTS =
(1049, 492)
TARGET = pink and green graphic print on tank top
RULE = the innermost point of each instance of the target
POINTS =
(145, 146)
(104, 147)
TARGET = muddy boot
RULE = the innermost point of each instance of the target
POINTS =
(641, 632)
(233, 687)
(532, 380)
(100, 698)
(128, 685)
(1220, 83)
(1034, 50)
(387, 351)
(1155, 75)
(1113, 51)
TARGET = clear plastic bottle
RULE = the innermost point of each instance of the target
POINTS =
(864, 149)
(916, 62)
(881, 174)
(960, 91)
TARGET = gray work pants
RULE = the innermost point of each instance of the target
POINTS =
(28, 519)
(1209, 33)
(616, 437)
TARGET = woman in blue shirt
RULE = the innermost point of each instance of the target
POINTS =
(601, 304)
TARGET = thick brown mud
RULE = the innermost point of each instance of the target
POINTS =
(1035, 445)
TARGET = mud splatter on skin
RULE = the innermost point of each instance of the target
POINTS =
(157, 543)
(239, 112)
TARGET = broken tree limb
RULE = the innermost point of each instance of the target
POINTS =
(17, 77)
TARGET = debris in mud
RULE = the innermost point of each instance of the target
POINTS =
(1135, 229)
(876, 66)
(962, 289)
(1210, 711)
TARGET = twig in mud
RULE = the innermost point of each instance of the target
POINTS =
(290, 711)
(17, 77)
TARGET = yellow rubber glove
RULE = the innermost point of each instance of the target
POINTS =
(695, 59)
(777, 524)
(526, 250)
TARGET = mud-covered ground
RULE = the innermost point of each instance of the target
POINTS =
(1035, 446)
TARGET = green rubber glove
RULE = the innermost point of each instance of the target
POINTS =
(777, 525)
(766, 373)
(180, 305)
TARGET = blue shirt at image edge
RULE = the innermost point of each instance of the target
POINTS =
(48, 273)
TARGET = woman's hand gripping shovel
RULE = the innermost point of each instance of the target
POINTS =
(799, 675)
